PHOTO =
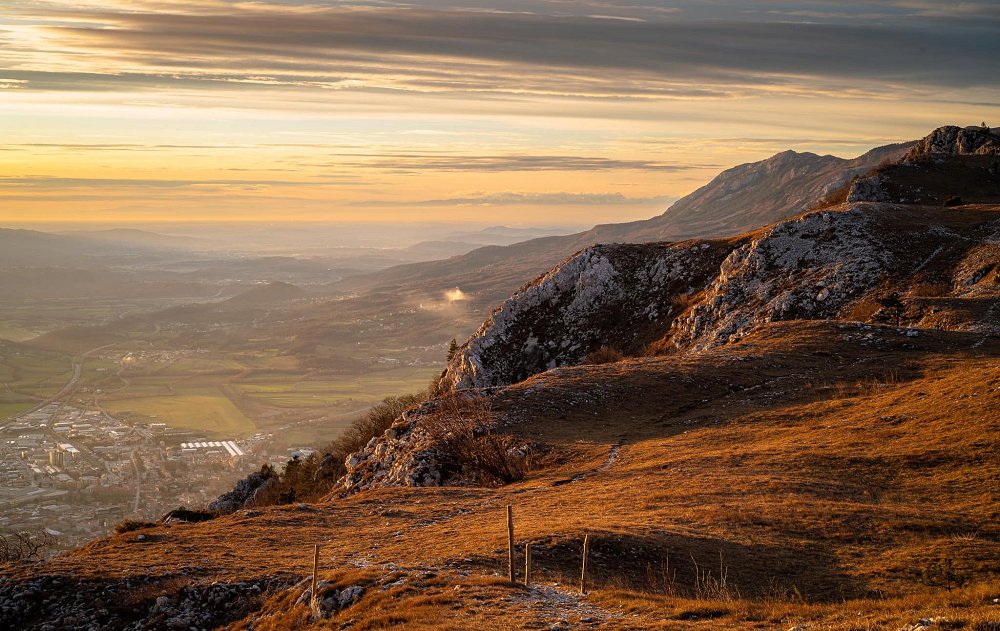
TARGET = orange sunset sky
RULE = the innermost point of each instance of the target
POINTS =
(542, 112)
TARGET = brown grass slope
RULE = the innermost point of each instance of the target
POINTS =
(824, 469)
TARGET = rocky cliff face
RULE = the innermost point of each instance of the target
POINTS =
(806, 268)
(622, 296)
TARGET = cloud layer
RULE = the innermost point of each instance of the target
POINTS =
(794, 47)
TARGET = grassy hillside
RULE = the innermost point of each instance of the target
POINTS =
(814, 473)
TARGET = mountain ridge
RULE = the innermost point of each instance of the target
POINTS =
(492, 273)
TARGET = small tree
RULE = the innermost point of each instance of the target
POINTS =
(24, 545)
(452, 349)
(893, 305)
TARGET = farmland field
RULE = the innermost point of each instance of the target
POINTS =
(235, 395)
(10, 409)
(204, 409)
(38, 374)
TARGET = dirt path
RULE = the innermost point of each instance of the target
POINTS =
(613, 454)
(560, 607)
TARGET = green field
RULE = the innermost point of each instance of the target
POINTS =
(362, 389)
(39, 374)
(8, 410)
(205, 409)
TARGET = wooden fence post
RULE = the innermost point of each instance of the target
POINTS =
(527, 565)
(312, 598)
(583, 569)
(510, 540)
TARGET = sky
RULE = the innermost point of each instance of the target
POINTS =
(540, 112)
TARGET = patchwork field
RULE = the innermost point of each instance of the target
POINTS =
(224, 394)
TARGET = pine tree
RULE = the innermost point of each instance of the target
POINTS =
(452, 348)
(894, 305)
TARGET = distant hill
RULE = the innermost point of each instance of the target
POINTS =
(31, 247)
(457, 243)
(504, 235)
(134, 236)
(270, 293)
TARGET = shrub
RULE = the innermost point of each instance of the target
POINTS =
(24, 545)
(464, 428)
(604, 355)
(942, 573)
(131, 525)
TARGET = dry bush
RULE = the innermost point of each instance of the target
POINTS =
(604, 355)
(464, 428)
(131, 525)
(710, 587)
(437, 385)
(706, 585)
(24, 546)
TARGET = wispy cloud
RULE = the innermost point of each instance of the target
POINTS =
(529, 199)
(409, 163)
(53, 183)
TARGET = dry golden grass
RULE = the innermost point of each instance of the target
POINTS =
(824, 475)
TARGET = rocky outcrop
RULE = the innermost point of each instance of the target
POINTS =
(329, 600)
(868, 189)
(243, 494)
(617, 295)
(98, 605)
(806, 268)
(626, 296)
(958, 141)
(451, 440)
(404, 455)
